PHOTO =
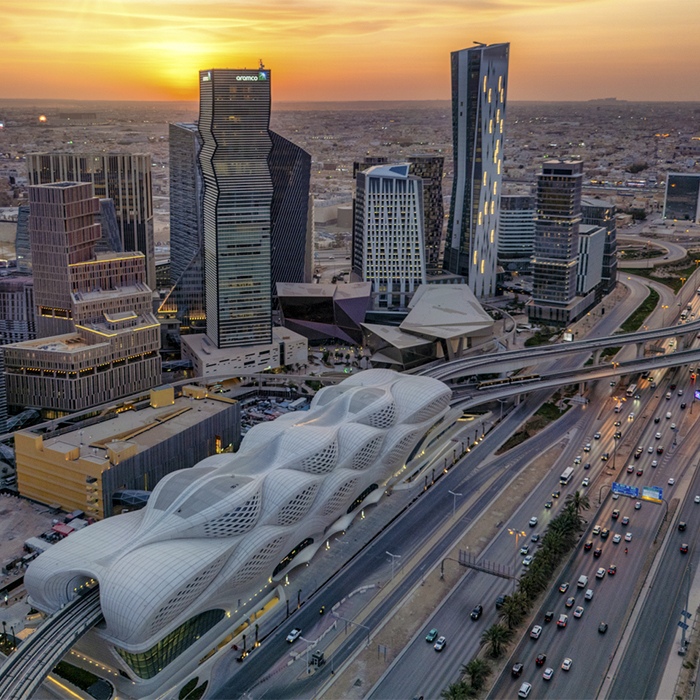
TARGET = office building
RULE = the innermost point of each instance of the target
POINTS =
(121, 177)
(479, 86)
(430, 168)
(388, 234)
(682, 198)
(600, 212)
(88, 465)
(591, 251)
(97, 339)
(516, 231)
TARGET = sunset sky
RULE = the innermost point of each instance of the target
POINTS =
(348, 49)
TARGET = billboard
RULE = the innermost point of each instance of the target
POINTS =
(655, 494)
(625, 489)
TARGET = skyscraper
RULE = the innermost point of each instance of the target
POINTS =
(122, 177)
(388, 233)
(516, 231)
(555, 259)
(682, 197)
(479, 83)
(599, 212)
(234, 120)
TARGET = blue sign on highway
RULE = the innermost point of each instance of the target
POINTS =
(685, 613)
(683, 626)
(625, 489)
(653, 493)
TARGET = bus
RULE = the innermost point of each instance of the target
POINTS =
(565, 478)
(618, 407)
(631, 390)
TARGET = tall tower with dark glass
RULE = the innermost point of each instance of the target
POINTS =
(234, 120)
(479, 83)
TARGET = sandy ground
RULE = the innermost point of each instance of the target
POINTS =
(19, 520)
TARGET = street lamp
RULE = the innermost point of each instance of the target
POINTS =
(518, 534)
(394, 557)
(600, 493)
(454, 501)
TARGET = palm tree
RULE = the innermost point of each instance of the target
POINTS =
(478, 671)
(461, 690)
(496, 637)
(511, 612)
(578, 502)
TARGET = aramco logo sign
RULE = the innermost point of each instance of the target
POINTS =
(262, 75)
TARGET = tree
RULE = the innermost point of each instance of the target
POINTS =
(512, 611)
(461, 690)
(578, 502)
(495, 638)
(478, 671)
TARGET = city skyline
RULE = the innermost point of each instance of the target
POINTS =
(153, 51)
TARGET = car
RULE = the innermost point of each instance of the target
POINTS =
(535, 632)
(533, 521)
(563, 619)
(673, 426)
(525, 689)
(625, 520)
(650, 449)
(617, 423)
(431, 636)
(528, 560)
(612, 570)
(603, 627)
(654, 462)
(615, 514)
(628, 537)
(660, 450)
(516, 670)
(668, 415)
(547, 674)
(630, 468)
(684, 548)
(294, 635)
(672, 387)
(587, 465)
(631, 416)
(535, 537)
(525, 549)
(540, 659)
(589, 594)
(570, 602)
(440, 644)
(616, 496)
(600, 573)
(578, 612)
(566, 664)
(548, 504)
(640, 472)
(639, 451)
(586, 481)
(588, 545)
(476, 613)
(596, 530)
(697, 499)
(657, 419)
(578, 459)
(682, 526)
(638, 505)
(617, 539)
(587, 447)
(556, 494)
(613, 383)
(604, 533)
(597, 436)
(680, 392)
(499, 601)
(549, 616)
(617, 435)
(597, 552)
(605, 457)
(564, 587)
(671, 481)
(683, 405)
(658, 436)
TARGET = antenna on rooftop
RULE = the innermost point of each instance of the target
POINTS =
(262, 65)
(480, 43)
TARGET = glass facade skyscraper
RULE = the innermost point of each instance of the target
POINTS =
(682, 199)
(234, 119)
(479, 84)
(599, 212)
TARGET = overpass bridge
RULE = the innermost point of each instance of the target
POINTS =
(26, 669)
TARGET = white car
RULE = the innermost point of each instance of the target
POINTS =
(294, 635)
(697, 499)
(578, 612)
(616, 496)
(548, 673)
(524, 691)
(578, 459)
(585, 481)
(654, 462)
(658, 436)
(600, 573)
(671, 481)
(587, 447)
(617, 539)
(650, 449)
(533, 521)
(638, 505)
(528, 560)
(668, 415)
(440, 644)
(536, 632)
(628, 537)
(566, 664)
(673, 426)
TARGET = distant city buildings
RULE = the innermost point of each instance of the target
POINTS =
(97, 339)
(682, 198)
(121, 177)
(516, 231)
(479, 84)
(388, 233)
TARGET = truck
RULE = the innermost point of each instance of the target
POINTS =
(582, 581)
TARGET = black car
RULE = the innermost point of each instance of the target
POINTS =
(499, 601)
(549, 616)
(588, 545)
(476, 613)
(556, 494)
(603, 627)
(516, 670)
(656, 420)
(615, 514)
(617, 435)
(587, 465)
(597, 552)
(683, 405)
(541, 658)
(604, 533)
(548, 504)
(682, 526)
(605, 457)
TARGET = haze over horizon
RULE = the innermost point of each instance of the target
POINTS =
(318, 51)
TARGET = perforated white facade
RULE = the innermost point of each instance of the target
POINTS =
(211, 536)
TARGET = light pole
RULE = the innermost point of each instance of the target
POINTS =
(600, 493)
(454, 501)
(518, 534)
(394, 557)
